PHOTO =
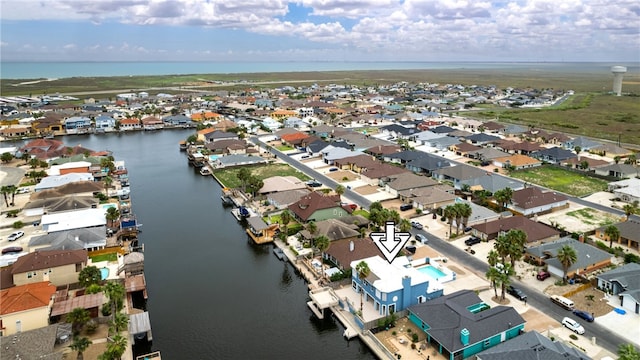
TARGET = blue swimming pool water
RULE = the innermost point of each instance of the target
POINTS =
(104, 272)
(213, 157)
(432, 271)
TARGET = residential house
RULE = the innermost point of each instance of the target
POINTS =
(580, 161)
(554, 155)
(31, 344)
(357, 163)
(77, 125)
(458, 174)
(442, 143)
(464, 148)
(130, 124)
(178, 120)
(230, 146)
(532, 201)
(105, 123)
(329, 156)
(518, 147)
(76, 219)
(428, 198)
(488, 154)
(60, 267)
(393, 287)
(25, 307)
(610, 150)
(394, 184)
(588, 258)
(624, 282)
(619, 171)
(629, 233)
(90, 239)
(54, 181)
(516, 162)
(627, 190)
(532, 345)
(344, 252)
(218, 135)
(282, 199)
(237, 160)
(293, 139)
(272, 124)
(418, 161)
(536, 232)
(492, 182)
(584, 143)
(379, 151)
(425, 137)
(152, 123)
(333, 229)
(281, 183)
(376, 176)
(317, 207)
(460, 325)
(481, 139)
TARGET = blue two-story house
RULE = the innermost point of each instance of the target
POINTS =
(77, 125)
(394, 287)
(460, 325)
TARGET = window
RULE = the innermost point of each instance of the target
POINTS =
(30, 274)
(486, 343)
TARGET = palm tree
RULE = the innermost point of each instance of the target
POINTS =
(340, 190)
(107, 183)
(505, 277)
(612, 233)
(120, 322)
(457, 207)
(449, 214)
(312, 228)
(628, 352)
(78, 317)
(115, 348)
(405, 225)
(112, 215)
(502, 247)
(285, 218)
(115, 292)
(517, 240)
(630, 209)
(465, 211)
(503, 197)
(12, 189)
(567, 257)
(363, 271)
(80, 344)
(494, 275)
(5, 191)
(322, 243)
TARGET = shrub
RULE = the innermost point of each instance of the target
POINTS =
(573, 337)
(413, 346)
(393, 333)
(106, 310)
(18, 224)
(414, 338)
(631, 258)
(91, 326)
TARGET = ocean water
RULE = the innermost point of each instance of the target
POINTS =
(36, 70)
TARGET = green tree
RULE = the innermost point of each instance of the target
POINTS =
(363, 271)
(340, 190)
(612, 232)
(312, 228)
(504, 279)
(33, 163)
(6, 157)
(449, 213)
(112, 215)
(120, 322)
(108, 181)
(465, 211)
(628, 352)
(78, 317)
(517, 240)
(630, 209)
(494, 276)
(577, 149)
(253, 185)
(12, 189)
(285, 219)
(115, 348)
(632, 159)
(108, 164)
(88, 276)
(322, 243)
(115, 293)
(80, 344)
(616, 159)
(405, 225)
(243, 175)
(567, 257)
(376, 205)
(5, 191)
(503, 197)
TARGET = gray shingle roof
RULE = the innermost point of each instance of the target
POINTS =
(532, 346)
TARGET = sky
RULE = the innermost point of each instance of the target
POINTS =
(320, 30)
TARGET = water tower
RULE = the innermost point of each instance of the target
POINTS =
(618, 73)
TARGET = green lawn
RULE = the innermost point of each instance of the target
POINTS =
(105, 257)
(561, 180)
(229, 177)
(284, 147)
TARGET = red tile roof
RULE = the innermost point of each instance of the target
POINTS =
(26, 297)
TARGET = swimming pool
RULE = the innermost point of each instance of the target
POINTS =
(432, 272)
(104, 273)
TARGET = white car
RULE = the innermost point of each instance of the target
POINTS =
(15, 236)
(573, 325)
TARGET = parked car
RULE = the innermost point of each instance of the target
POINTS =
(421, 238)
(333, 169)
(15, 236)
(543, 275)
(416, 225)
(573, 325)
(11, 249)
(467, 229)
(313, 183)
(405, 207)
(23, 190)
(516, 292)
(583, 315)
(472, 241)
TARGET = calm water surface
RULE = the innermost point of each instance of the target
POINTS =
(212, 293)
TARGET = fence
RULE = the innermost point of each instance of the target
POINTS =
(577, 290)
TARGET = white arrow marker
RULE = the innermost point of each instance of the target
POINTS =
(390, 242)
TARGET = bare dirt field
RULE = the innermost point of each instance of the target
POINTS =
(590, 300)
(342, 175)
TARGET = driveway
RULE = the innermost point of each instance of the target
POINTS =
(10, 175)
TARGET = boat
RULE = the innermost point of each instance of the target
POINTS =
(226, 200)
(183, 145)
(205, 171)
(279, 253)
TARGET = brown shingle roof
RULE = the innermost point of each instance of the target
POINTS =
(313, 202)
(535, 231)
(44, 259)
(532, 197)
(362, 249)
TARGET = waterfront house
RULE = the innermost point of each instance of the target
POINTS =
(333, 229)
(345, 251)
(629, 233)
(178, 120)
(536, 232)
(281, 183)
(152, 123)
(218, 135)
(532, 201)
(25, 307)
(394, 287)
(54, 181)
(105, 123)
(624, 282)
(75, 219)
(44, 148)
(532, 345)
(460, 325)
(77, 125)
(130, 124)
(317, 207)
(283, 199)
(90, 239)
(60, 267)
(238, 160)
(32, 344)
(589, 258)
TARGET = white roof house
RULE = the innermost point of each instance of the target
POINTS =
(54, 181)
(389, 276)
(70, 220)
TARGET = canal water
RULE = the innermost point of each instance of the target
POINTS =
(213, 294)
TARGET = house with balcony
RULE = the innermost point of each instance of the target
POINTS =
(77, 125)
(394, 287)
(105, 123)
(25, 307)
(460, 325)
(59, 267)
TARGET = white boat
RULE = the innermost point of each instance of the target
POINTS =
(204, 171)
